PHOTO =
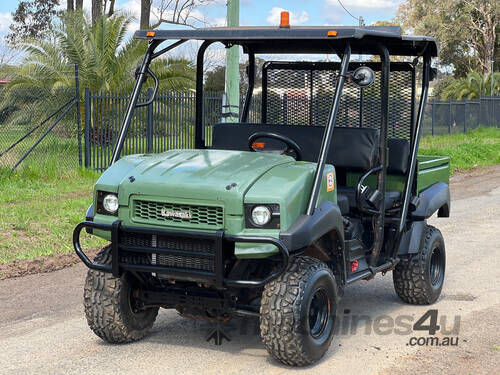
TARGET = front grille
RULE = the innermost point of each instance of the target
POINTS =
(180, 261)
(194, 245)
(173, 213)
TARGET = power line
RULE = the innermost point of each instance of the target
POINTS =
(342, 5)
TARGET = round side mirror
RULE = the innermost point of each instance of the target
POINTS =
(363, 76)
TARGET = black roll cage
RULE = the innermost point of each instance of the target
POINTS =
(344, 54)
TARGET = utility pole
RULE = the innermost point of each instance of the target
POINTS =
(233, 66)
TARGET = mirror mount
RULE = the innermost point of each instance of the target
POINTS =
(362, 76)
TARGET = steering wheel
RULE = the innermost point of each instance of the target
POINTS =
(291, 144)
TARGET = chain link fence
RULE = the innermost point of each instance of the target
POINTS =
(168, 123)
(453, 116)
(39, 127)
(44, 127)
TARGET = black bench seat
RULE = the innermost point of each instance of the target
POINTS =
(352, 150)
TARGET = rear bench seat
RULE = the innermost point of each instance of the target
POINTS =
(352, 149)
(399, 153)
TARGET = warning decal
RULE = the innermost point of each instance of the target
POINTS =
(330, 181)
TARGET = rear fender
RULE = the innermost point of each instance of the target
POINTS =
(411, 239)
(434, 198)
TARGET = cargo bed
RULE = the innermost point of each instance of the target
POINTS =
(430, 169)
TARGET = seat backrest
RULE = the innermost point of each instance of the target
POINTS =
(399, 155)
(351, 148)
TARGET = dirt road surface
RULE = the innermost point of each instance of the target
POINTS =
(43, 328)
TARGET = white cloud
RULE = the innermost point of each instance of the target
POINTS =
(295, 18)
(5, 20)
(132, 7)
(219, 22)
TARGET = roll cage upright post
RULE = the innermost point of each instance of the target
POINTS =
(251, 84)
(382, 171)
(141, 75)
(328, 133)
(409, 185)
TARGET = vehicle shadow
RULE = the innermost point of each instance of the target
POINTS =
(370, 300)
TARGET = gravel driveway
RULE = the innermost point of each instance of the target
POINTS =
(43, 328)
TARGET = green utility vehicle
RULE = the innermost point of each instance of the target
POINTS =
(273, 219)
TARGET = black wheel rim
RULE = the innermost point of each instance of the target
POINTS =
(319, 313)
(436, 267)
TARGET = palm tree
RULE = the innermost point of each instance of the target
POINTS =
(472, 87)
(105, 60)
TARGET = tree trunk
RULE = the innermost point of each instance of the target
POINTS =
(79, 5)
(111, 8)
(96, 10)
(145, 13)
(69, 5)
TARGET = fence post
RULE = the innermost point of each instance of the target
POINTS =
(78, 117)
(449, 118)
(479, 113)
(465, 117)
(149, 125)
(432, 117)
(87, 127)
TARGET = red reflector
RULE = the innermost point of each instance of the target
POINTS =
(354, 266)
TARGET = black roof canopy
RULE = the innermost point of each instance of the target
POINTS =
(306, 39)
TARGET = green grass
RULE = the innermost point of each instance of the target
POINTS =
(62, 150)
(477, 148)
(39, 209)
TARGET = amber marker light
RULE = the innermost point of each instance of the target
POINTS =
(332, 33)
(150, 34)
(285, 20)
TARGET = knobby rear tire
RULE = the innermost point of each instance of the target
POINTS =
(417, 281)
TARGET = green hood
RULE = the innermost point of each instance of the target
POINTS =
(213, 175)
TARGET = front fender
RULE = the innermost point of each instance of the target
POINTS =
(307, 229)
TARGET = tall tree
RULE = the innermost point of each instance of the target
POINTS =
(484, 16)
(175, 12)
(96, 10)
(74, 5)
(32, 19)
(105, 59)
(145, 13)
(111, 10)
(465, 30)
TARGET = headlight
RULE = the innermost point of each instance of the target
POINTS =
(261, 215)
(107, 203)
(110, 203)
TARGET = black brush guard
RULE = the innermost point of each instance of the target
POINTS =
(219, 240)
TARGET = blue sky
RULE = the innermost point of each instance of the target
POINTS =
(263, 12)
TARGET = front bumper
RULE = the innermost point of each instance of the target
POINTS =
(218, 242)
